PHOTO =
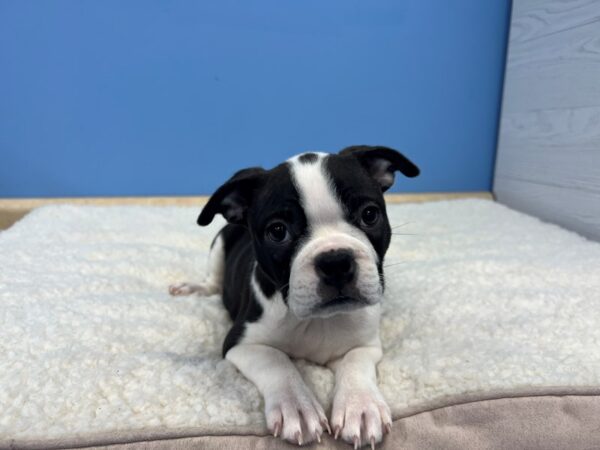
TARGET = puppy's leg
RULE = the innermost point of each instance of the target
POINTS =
(213, 283)
(357, 403)
(291, 409)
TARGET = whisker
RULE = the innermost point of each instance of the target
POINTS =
(401, 225)
(406, 234)
(394, 264)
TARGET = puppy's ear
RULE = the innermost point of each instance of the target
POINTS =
(234, 197)
(382, 163)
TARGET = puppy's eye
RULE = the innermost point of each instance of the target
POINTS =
(277, 232)
(370, 216)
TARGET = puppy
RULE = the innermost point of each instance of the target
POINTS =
(300, 269)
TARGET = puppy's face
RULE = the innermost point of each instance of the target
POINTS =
(319, 226)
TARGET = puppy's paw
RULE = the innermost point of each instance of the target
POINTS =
(181, 289)
(360, 408)
(294, 413)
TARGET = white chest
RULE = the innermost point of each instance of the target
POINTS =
(320, 339)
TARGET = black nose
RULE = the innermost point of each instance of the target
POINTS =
(336, 267)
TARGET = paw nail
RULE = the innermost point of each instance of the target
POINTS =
(325, 424)
(356, 441)
(299, 437)
(388, 428)
(318, 438)
(337, 432)
(277, 429)
(372, 443)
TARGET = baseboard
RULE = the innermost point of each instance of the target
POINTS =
(12, 210)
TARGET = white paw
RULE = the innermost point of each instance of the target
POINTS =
(294, 413)
(185, 289)
(360, 415)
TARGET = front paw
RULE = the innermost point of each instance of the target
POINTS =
(294, 413)
(181, 289)
(357, 408)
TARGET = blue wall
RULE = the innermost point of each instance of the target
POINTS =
(143, 97)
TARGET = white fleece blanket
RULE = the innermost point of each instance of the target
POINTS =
(479, 298)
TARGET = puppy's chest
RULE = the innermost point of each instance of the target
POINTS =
(319, 340)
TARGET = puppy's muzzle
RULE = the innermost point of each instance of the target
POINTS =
(336, 268)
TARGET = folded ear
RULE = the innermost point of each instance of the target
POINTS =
(382, 163)
(234, 197)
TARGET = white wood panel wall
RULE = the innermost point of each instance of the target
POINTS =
(548, 161)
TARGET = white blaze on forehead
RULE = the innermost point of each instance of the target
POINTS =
(317, 195)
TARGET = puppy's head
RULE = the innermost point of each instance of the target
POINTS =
(318, 225)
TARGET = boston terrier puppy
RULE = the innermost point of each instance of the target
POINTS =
(300, 269)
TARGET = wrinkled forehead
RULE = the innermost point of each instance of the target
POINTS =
(319, 186)
(299, 186)
(316, 192)
(330, 185)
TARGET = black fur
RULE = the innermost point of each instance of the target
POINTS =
(237, 295)
(355, 188)
(278, 200)
(244, 245)
(233, 198)
(253, 198)
(381, 163)
(308, 158)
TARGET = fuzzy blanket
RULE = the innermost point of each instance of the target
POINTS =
(479, 299)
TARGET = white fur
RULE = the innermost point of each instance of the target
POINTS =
(315, 339)
(302, 333)
(485, 299)
(359, 409)
(262, 354)
(291, 409)
(304, 280)
(319, 201)
(263, 357)
(348, 342)
(328, 230)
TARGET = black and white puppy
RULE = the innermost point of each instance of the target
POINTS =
(300, 269)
